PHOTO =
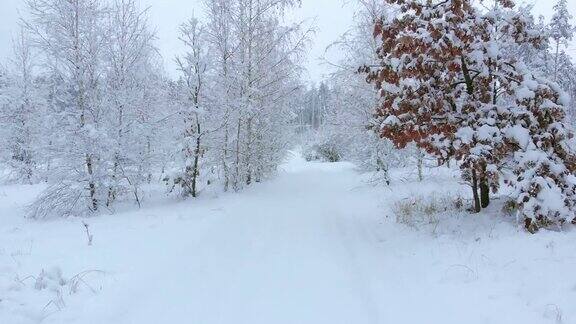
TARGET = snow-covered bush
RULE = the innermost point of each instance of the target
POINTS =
(52, 289)
(52, 280)
(326, 152)
(423, 210)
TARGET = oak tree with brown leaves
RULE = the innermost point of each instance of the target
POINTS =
(446, 86)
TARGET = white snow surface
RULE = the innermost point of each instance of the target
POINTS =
(316, 245)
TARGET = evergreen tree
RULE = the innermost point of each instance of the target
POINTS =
(561, 31)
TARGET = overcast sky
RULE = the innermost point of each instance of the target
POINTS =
(332, 18)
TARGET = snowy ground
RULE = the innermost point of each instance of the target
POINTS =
(316, 245)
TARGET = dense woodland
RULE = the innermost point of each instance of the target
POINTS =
(88, 109)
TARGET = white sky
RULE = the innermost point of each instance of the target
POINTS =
(332, 18)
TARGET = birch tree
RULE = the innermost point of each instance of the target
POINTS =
(21, 116)
(129, 56)
(193, 85)
(219, 30)
(259, 70)
(69, 35)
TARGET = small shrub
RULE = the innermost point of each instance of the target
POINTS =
(510, 207)
(421, 210)
(323, 152)
(311, 154)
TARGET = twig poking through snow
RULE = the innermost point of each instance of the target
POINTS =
(88, 235)
(79, 278)
(554, 312)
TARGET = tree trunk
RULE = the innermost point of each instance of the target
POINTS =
(148, 154)
(236, 183)
(477, 206)
(420, 162)
(91, 184)
(113, 186)
(225, 161)
(556, 57)
(196, 168)
(484, 187)
(484, 192)
(248, 152)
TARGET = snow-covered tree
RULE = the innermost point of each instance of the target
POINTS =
(344, 127)
(220, 35)
(543, 160)
(21, 115)
(561, 31)
(258, 70)
(315, 105)
(101, 89)
(130, 57)
(70, 36)
(192, 90)
(98, 120)
(549, 62)
(447, 86)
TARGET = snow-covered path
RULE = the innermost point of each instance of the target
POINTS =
(276, 255)
(312, 246)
